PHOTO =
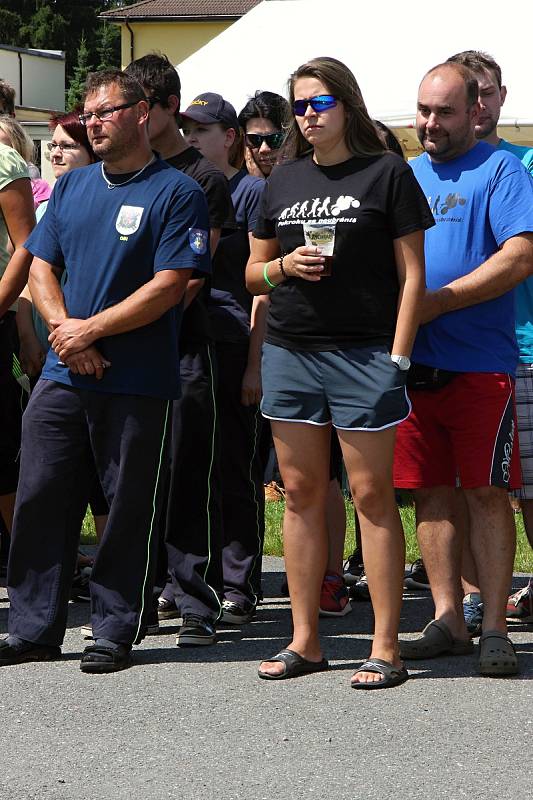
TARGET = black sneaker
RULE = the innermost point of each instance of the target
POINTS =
(196, 631)
(234, 614)
(360, 591)
(353, 568)
(167, 609)
(26, 651)
(417, 577)
(80, 585)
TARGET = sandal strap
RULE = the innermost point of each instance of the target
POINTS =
(100, 649)
(380, 666)
(286, 657)
(495, 635)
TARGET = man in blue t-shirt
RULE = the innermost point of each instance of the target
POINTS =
(462, 425)
(129, 231)
(492, 94)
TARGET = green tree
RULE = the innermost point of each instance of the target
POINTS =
(81, 70)
(108, 47)
(45, 30)
(60, 25)
(10, 24)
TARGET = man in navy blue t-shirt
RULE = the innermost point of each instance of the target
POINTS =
(462, 426)
(129, 231)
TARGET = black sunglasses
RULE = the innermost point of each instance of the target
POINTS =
(322, 102)
(273, 140)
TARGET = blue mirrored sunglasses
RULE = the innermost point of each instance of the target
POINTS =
(322, 102)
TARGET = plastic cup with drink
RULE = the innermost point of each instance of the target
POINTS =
(322, 235)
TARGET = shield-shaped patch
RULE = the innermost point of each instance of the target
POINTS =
(129, 219)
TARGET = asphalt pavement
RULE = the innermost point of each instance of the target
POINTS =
(198, 723)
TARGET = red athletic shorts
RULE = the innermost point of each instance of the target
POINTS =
(466, 431)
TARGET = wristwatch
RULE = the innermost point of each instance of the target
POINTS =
(403, 362)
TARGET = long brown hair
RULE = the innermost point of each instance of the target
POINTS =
(360, 134)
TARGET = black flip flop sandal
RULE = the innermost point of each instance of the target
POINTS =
(295, 665)
(392, 676)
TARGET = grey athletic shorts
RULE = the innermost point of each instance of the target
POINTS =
(355, 389)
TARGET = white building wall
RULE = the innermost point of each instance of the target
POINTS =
(43, 78)
(43, 82)
(10, 71)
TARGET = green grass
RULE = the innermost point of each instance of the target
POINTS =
(274, 540)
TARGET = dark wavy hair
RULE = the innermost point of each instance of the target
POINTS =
(266, 105)
(360, 134)
(71, 124)
(389, 139)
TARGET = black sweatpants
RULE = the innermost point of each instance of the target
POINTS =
(193, 522)
(243, 493)
(65, 432)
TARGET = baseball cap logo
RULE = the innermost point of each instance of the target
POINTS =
(208, 108)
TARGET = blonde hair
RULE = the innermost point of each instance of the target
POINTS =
(18, 138)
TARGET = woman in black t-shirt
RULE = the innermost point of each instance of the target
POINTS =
(337, 346)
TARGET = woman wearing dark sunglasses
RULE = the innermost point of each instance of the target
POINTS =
(337, 347)
(264, 119)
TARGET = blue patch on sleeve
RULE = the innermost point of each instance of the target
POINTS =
(198, 240)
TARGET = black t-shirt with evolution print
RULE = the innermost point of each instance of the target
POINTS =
(372, 200)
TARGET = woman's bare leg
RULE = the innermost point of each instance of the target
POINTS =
(336, 525)
(368, 458)
(469, 578)
(303, 458)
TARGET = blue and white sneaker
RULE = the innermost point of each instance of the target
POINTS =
(473, 613)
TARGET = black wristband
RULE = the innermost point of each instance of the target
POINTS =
(281, 267)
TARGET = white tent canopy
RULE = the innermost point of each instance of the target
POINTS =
(387, 48)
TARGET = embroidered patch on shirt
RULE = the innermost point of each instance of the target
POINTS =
(129, 219)
(198, 240)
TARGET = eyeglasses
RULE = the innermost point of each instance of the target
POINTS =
(105, 113)
(61, 146)
(322, 102)
(273, 140)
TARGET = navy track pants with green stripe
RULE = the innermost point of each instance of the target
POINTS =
(65, 432)
(194, 517)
